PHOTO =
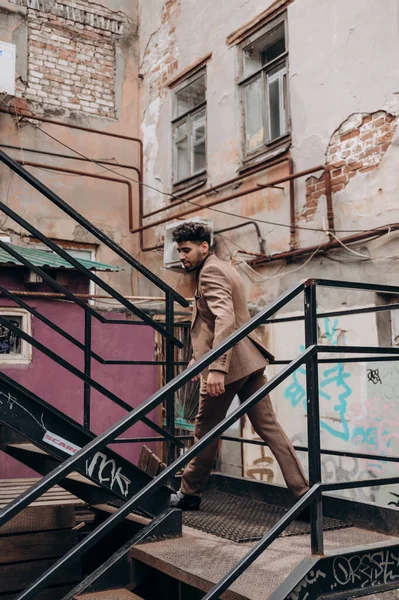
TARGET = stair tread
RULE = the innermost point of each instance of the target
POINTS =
(28, 447)
(117, 594)
(12, 488)
(201, 559)
(130, 517)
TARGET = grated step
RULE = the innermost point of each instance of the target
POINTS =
(117, 594)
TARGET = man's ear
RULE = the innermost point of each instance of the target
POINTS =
(205, 247)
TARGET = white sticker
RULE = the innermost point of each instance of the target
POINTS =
(59, 442)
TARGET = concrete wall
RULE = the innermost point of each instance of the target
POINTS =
(61, 389)
(343, 99)
(87, 53)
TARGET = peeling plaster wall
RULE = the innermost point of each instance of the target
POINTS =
(342, 81)
(103, 203)
(338, 69)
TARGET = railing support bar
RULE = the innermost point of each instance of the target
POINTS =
(313, 419)
(170, 373)
(87, 371)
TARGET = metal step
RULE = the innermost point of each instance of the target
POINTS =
(119, 594)
(201, 560)
(55, 437)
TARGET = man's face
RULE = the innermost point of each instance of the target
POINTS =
(192, 254)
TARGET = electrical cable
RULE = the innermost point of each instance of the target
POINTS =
(280, 274)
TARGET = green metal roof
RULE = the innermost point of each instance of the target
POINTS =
(47, 258)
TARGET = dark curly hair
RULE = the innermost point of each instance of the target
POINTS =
(192, 232)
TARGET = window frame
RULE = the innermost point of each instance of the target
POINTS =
(265, 73)
(25, 356)
(188, 117)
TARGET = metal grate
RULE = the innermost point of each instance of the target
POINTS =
(244, 520)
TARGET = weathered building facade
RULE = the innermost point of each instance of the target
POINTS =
(76, 63)
(228, 97)
(230, 88)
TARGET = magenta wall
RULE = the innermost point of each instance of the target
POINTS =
(56, 385)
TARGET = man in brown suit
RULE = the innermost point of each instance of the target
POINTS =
(220, 308)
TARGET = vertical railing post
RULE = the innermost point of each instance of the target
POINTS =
(87, 369)
(170, 373)
(313, 421)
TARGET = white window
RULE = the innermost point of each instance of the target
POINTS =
(13, 349)
(87, 254)
(263, 82)
(189, 128)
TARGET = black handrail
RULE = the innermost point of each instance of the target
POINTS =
(82, 269)
(55, 199)
(117, 517)
(74, 341)
(308, 355)
(123, 424)
(85, 378)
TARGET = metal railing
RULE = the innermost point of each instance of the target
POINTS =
(166, 331)
(313, 497)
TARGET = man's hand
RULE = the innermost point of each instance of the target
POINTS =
(190, 364)
(215, 383)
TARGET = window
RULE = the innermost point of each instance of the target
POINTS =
(189, 128)
(87, 254)
(13, 349)
(264, 87)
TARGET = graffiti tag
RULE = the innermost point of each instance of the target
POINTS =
(107, 471)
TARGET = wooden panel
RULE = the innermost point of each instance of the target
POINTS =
(154, 465)
(18, 576)
(40, 518)
(48, 544)
(144, 459)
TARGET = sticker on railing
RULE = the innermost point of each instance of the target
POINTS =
(59, 442)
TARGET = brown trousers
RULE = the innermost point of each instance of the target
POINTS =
(212, 410)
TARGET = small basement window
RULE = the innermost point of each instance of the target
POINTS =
(13, 349)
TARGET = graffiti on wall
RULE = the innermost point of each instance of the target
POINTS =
(334, 389)
(359, 408)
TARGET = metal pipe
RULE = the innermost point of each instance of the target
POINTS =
(248, 173)
(292, 206)
(219, 186)
(330, 211)
(356, 237)
(227, 198)
(71, 212)
(16, 113)
(28, 163)
(105, 133)
(258, 233)
(79, 158)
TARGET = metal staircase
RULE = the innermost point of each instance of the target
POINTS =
(68, 454)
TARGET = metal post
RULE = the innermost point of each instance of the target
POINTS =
(170, 373)
(87, 386)
(313, 421)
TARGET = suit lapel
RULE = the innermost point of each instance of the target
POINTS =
(197, 293)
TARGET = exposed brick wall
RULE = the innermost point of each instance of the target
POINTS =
(357, 146)
(71, 56)
(160, 60)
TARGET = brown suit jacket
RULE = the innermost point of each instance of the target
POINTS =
(220, 308)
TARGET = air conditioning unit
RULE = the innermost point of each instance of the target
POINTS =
(7, 69)
(170, 255)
